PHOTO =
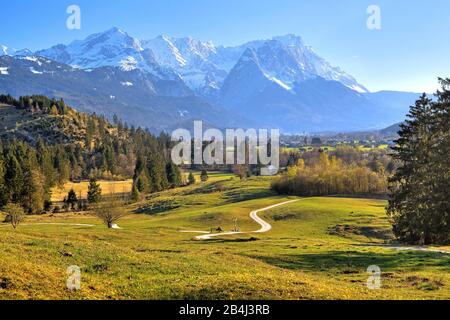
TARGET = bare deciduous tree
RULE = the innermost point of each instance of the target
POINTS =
(15, 214)
(110, 213)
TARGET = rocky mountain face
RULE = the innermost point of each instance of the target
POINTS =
(138, 97)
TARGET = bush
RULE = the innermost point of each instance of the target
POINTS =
(15, 214)
(204, 176)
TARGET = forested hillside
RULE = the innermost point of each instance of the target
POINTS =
(44, 142)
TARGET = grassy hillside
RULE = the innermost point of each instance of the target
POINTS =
(319, 248)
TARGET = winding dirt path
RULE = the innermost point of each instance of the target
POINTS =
(415, 248)
(265, 227)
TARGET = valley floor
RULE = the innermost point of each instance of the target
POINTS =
(318, 248)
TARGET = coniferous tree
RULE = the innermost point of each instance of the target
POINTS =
(173, 175)
(33, 190)
(46, 164)
(34, 193)
(135, 195)
(13, 178)
(157, 173)
(62, 166)
(191, 178)
(109, 159)
(439, 167)
(71, 199)
(90, 132)
(419, 206)
(141, 178)
(94, 194)
(204, 175)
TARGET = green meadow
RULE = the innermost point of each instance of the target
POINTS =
(318, 248)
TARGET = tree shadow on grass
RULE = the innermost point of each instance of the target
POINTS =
(234, 196)
(239, 240)
(158, 207)
(205, 189)
(356, 260)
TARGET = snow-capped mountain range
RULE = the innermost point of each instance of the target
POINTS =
(268, 74)
(201, 65)
(4, 50)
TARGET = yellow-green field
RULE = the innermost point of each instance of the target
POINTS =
(333, 148)
(81, 188)
(319, 248)
(367, 149)
(212, 176)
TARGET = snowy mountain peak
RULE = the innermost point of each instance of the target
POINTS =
(115, 30)
(113, 37)
(289, 40)
(3, 50)
(113, 47)
(250, 66)
(201, 65)
(192, 47)
(165, 51)
(24, 52)
(288, 59)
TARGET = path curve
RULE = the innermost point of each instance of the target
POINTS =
(265, 227)
(415, 248)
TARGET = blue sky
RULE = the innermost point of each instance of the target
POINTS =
(409, 52)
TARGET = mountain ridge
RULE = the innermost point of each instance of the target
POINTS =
(279, 82)
(194, 60)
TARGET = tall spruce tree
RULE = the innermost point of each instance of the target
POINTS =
(419, 206)
(13, 178)
(157, 173)
(141, 177)
(173, 175)
(94, 194)
(46, 165)
(439, 167)
(62, 165)
(33, 191)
